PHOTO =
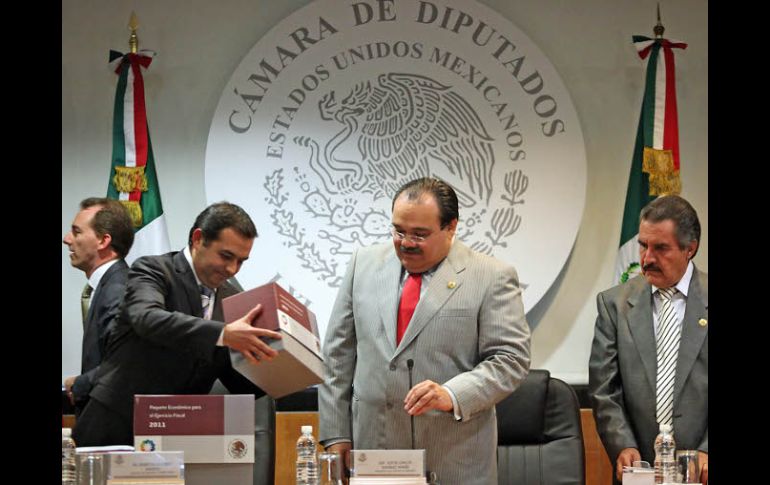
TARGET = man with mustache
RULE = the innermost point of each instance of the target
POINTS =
(434, 313)
(169, 337)
(649, 358)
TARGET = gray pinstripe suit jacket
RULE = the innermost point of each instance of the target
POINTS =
(623, 369)
(472, 337)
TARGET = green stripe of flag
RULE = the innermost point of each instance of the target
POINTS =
(648, 104)
(118, 135)
(151, 204)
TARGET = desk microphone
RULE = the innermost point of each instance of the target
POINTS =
(432, 479)
(410, 365)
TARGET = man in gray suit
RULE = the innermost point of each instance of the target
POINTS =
(466, 345)
(169, 337)
(627, 385)
(100, 237)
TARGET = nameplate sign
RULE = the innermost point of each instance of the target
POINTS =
(638, 476)
(382, 463)
(166, 464)
(208, 428)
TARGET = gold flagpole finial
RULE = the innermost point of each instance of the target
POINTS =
(133, 41)
(659, 29)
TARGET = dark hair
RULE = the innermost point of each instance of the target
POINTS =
(113, 219)
(678, 210)
(443, 193)
(219, 216)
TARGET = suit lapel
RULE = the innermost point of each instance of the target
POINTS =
(641, 326)
(693, 335)
(389, 271)
(437, 293)
(94, 299)
(189, 286)
(222, 292)
(98, 290)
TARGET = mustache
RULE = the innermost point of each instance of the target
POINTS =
(650, 266)
(414, 250)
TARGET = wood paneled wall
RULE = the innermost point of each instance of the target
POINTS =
(598, 468)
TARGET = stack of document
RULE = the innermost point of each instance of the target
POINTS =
(103, 449)
(388, 481)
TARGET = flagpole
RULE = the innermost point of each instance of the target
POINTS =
(133, 179)
(658, 29)
(133, 40)
(655, 161)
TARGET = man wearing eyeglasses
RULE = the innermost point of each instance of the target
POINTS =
(434, 313)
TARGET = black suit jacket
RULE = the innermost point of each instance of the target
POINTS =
(105, 303)
(160, 343)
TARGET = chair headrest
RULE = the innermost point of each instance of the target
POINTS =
(521, 416)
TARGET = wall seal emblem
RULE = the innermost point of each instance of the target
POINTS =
(342, 102)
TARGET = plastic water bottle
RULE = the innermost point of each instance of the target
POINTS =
(307, 459)
(665, 459)
(68, 470)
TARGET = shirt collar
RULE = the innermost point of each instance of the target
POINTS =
(188, 257)
(98, 273)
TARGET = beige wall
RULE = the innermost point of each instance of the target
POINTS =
(200, 42)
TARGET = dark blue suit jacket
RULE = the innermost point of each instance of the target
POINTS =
(105, 302)
(160, 343)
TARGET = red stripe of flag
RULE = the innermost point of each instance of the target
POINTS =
(670, 131)
(140, 119)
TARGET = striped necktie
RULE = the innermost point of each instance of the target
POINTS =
(668, 351)
(206, 295)
(85, 302)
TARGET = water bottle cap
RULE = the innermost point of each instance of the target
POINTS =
(665, 428)
(66, 432)
(307, 429)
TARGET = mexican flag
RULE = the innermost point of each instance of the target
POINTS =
(655, 163)
(133, 180)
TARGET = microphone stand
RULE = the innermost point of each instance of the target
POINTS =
(431, 477)
(410, 365)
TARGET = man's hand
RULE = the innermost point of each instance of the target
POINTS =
(343, 448)
(703, 464)
(425, 396)
(627, 457)
(68, 383)
(240, 335)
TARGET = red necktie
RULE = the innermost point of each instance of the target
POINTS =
(410, 295)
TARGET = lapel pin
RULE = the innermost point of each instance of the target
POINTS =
(451, 285)
(703, 322)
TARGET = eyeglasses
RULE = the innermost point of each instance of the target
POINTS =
(408, 237)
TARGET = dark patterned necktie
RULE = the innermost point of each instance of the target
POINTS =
(206, 296)
(85, 302)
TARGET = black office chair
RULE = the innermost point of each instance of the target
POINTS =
(539, 435)
(264, 436)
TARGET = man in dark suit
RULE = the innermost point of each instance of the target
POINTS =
(169, 337)
(636, 380)
(100, 237)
